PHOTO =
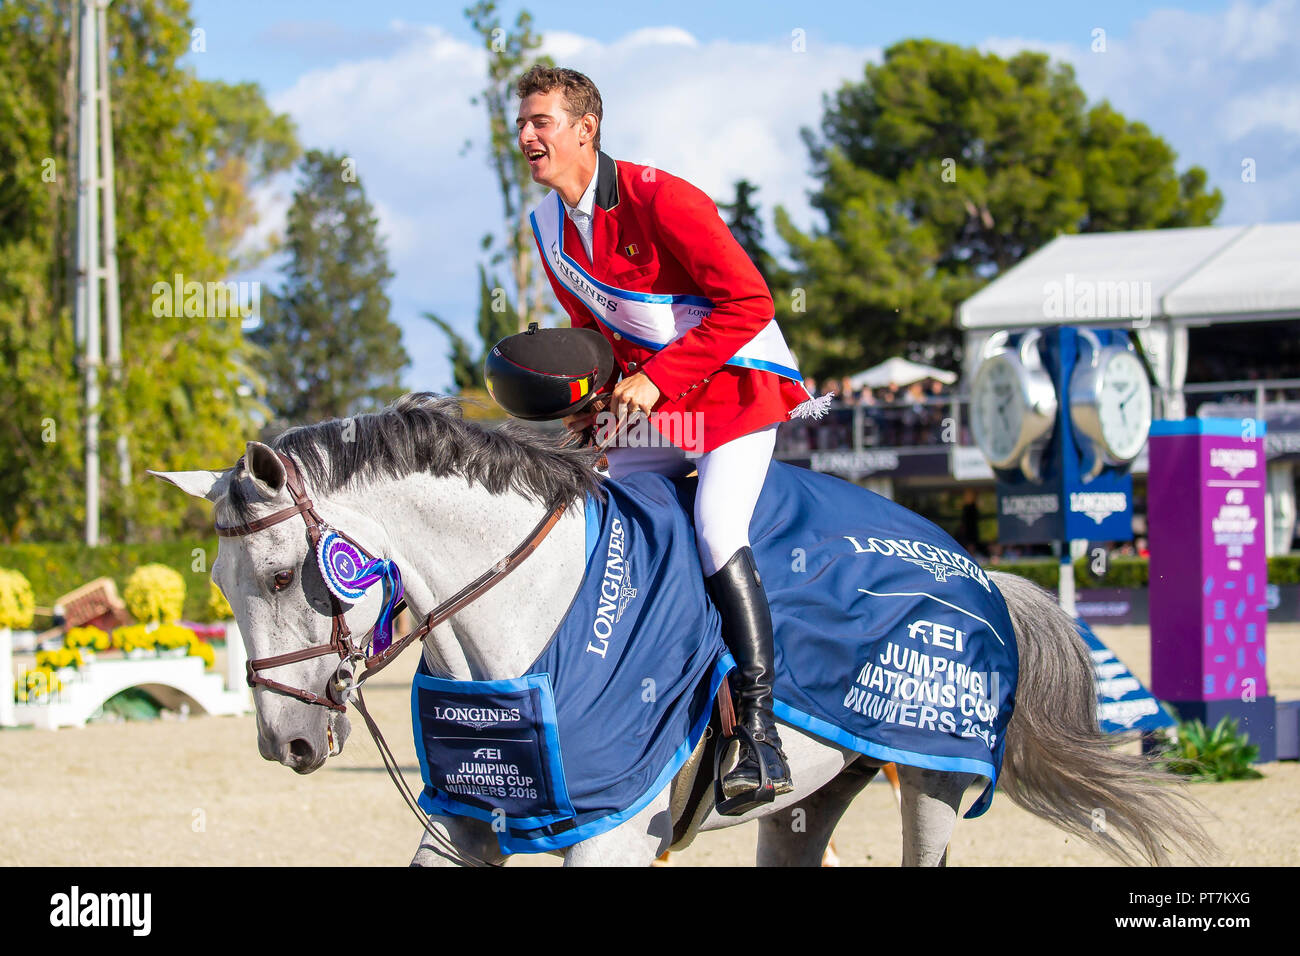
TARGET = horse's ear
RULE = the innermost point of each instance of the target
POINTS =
(264, 467)
(201, 484)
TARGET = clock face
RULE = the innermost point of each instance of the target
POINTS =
(1124, 406)
(998, 410)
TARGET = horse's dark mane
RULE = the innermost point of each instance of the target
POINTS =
(424, 432)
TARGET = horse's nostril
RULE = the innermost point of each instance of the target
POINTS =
(300, 749)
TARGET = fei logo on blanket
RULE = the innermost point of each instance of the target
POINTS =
(616, 591)
(940, 562)
(940, 635)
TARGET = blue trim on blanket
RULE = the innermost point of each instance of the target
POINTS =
(509, 844)
(593, 519)
(843, 738)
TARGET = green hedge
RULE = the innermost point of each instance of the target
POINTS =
(1043, 573)
(55, 569)
(1120, 573)
(1284, 569)
(1126, 572)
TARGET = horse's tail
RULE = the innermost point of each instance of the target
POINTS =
(1061, 767)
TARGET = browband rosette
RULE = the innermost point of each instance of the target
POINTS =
(349, 572)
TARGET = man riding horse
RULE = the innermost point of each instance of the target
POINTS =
(643, 257)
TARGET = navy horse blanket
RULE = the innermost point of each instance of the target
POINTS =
(890, 641)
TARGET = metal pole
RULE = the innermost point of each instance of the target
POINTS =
(112, 306)
(1066, 586)
(87, 265)
(7, 718)
(72, 106)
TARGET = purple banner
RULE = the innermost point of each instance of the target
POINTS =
(1208, 582)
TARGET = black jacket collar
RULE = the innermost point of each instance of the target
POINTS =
(606, 182)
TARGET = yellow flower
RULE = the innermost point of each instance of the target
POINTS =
(62, 657)
(218, 606)
(133, 638)
(17, 604)
(154, 592)
(170, 636)
(86, 637)
(35, 684)
(202, 649)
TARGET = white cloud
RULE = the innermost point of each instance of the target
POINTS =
(1220, 87)
(656, 37)
(714, 112)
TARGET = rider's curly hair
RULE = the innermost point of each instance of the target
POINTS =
(580, 94)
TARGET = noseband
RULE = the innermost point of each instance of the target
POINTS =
(341, 643)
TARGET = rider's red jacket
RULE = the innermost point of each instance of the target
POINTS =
(654, 232)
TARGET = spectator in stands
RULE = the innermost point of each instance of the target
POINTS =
(916, 415)
(848, 394)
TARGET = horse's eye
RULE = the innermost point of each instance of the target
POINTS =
(283, 579)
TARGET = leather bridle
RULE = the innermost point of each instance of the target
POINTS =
(341, 642)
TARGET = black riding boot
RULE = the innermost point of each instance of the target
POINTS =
(738, 595)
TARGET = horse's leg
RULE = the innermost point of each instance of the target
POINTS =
(473, 837)
(635, 842)
(797, 835)
(930, 802)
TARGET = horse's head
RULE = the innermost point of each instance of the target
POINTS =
(267, 567)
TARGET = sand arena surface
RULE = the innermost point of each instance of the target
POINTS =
(196, 792)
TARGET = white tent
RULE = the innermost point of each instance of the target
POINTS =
(1158, 282)
(901, 372)
(1211, 273)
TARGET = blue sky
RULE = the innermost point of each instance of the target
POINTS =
(714, 91)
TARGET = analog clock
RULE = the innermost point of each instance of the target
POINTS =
(1013, 404)
(1110, 405)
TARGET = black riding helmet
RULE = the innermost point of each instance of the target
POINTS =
(545, 374)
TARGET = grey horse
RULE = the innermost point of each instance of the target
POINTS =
(446, 498)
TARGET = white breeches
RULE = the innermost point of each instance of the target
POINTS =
(731, 477)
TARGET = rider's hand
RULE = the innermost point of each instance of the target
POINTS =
(579, 422)
(634, 394)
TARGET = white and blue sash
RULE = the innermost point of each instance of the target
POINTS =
(654, 320)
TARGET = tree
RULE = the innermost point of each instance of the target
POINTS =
(743, 220)
(509, 57)
(942, 168)
(187, 393)
(250, 144)
(496, 320)
(329, 347)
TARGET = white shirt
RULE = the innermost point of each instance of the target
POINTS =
(581, 214)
